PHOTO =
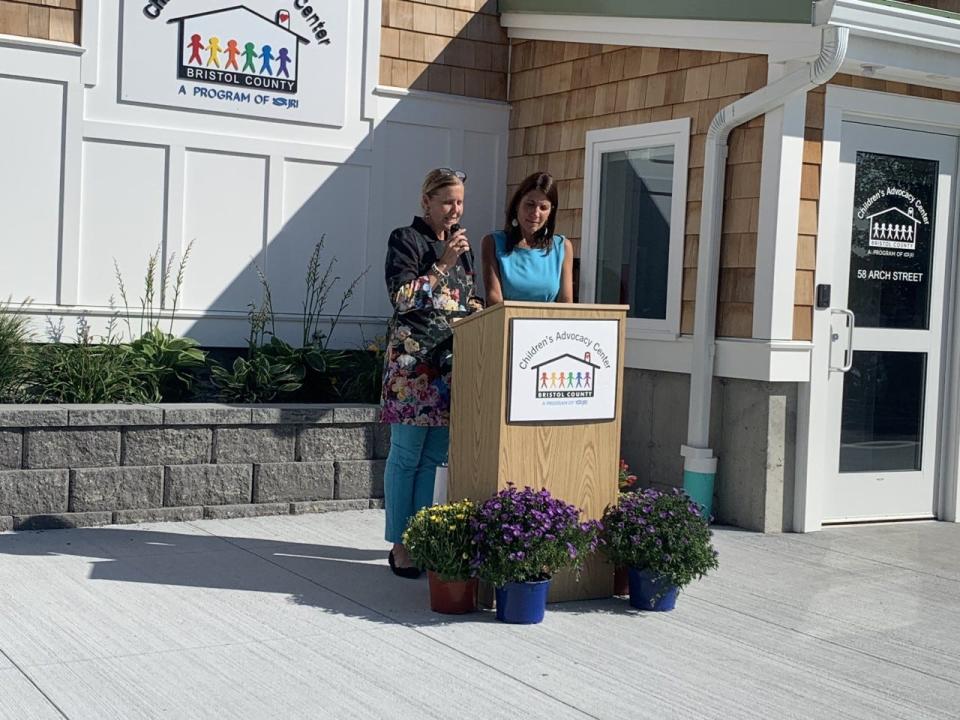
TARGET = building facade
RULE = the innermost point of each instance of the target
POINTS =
(786, 169)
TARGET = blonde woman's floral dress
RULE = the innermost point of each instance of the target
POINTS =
(416, 376)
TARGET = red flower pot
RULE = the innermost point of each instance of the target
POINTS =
(621, 581)
(452, 597)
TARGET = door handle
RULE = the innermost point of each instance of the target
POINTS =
(848, 353)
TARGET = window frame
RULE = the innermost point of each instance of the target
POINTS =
(637, 137)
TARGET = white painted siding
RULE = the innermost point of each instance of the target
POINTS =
(123, 192)
(30, 145)
(224, 214)
(321, 199)
(136, 177)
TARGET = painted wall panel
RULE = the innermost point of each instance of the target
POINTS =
(224, 215)
(245, 190)
(320, 199)
(481, 153)
(30, 148)
(122, 218)
(409, 153)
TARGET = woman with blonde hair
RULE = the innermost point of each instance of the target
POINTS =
(429, 276)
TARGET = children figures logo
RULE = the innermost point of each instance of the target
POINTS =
(237, 46)
(894, 227)
(566, 376)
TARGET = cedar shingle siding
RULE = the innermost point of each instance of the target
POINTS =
(449, 46)
(560, 91)
(44, 19)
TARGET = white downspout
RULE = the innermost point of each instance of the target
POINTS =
(700, 464)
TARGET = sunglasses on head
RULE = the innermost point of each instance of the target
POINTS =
(459, 174)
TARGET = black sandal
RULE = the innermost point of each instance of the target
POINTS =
(411, 573)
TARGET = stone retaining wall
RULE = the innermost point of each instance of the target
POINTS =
(82, 465)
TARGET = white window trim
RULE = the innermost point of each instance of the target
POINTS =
(633, 137)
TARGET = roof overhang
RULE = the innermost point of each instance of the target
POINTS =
(888, 39)
(791, 39)
(776, 11)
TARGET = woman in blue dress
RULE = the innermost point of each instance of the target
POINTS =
(527, 260)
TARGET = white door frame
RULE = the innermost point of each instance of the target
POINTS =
(898, 111)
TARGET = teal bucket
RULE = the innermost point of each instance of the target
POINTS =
(699, 486)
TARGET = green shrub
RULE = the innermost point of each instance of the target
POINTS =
(169, 362)
(359, 374)
(14, 355)
(275, 370)
(259, 377)
(88, 371)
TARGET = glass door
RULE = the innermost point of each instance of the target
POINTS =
(886, 322)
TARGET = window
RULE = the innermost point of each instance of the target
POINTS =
(635, 190)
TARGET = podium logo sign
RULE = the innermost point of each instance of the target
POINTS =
(562, 370)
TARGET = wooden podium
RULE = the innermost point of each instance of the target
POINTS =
(509, 419)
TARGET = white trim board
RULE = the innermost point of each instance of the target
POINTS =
(48, 46)
(911, 27)
(780, 180)
(761, 360)
(90, 40)
(790, 39)
(867, 21)
(231, 329)
(898, 111)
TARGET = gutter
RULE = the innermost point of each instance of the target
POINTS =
(699, 461)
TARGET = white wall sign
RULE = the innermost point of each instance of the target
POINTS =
(562, 370)
(281, 60)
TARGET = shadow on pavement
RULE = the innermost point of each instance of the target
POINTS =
(346, 581)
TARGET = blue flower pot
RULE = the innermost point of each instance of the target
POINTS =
(523, 603)
(649, 591)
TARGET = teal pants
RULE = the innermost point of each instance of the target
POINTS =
(411, 470)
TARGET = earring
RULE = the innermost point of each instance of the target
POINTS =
(514, 223)
(426, 214)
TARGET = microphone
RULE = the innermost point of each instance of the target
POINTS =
(465, 257)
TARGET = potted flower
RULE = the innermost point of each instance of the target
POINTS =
(626, 482)
(522, 537)
(440, 540)
(663, 539)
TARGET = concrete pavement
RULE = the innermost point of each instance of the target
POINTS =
(299, 617)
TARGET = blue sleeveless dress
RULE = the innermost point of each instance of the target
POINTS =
(529, 274)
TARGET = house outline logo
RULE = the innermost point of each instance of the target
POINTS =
(565, 376)
(266, 58)
(894, 228)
